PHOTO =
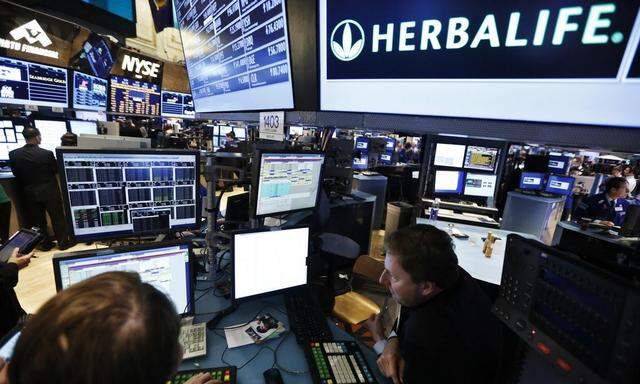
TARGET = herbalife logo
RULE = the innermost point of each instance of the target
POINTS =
(347, 40)
(32, 32)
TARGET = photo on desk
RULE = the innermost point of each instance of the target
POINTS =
(262, 327)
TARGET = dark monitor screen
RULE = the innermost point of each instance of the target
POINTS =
(98, 55)
(536, 163)
(560, 185)
(166, 266)
(532, 181)
(115, 193)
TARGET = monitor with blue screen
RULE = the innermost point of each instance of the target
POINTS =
(89, 92)
(449, 182)
(362, 143)
(559, 164)
(532, 181)
(361, 163)
(166, 266)
(560, 185)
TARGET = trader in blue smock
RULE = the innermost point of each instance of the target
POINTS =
(608, 207)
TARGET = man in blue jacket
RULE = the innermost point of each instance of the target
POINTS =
(608, 207)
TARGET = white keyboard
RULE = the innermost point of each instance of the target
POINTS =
(193, 339)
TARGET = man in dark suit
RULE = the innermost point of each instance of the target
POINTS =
(35, 170)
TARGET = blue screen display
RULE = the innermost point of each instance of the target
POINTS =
(122, 8)
(362, 144)
(237, 54)
(176, 104)
(361, 164)
(560, 185)
(89, 92)
(23, 82)
(532, 181)
(98, 55)
(559, 164)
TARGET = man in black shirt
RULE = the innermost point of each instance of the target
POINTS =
(445, 332)
(35, 170)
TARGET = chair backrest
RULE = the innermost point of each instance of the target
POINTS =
(339, 245)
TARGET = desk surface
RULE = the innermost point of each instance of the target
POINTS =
(469, 251)
(289, 354)
(598, 234)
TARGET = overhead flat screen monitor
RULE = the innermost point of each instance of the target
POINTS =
(91, 116)
(98, 55)
(176, 104)
(449, 155)
(89, 92)
(266, 262)
(559, 164)
(165, 266)
(560, 185)
(133, 97)
(288, 182)
(51, 132)
(532, 181)
(110, 193)
(481, 158)
(449, 182)
(480, 185)
(10, 139)
(237, 56)
(23, 82)
(122, 8)
(80, 127)
(475, 59)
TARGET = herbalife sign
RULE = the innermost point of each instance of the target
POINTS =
(29, 38)
(477, 39)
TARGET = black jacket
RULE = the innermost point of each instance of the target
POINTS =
(451, 339)
(35, 170)
(10, 309)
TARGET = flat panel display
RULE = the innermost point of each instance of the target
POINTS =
(10, 139)
(531, 61)
(560, 185)
(110, 193)
(481, 158)
(176, 104)
(23, 82)
(122, 8)
(98, 55)
(559, 164)
(288, 182)
(237, 54)
(481, 185)
(449, 155)
(89, 92)
(449, 182)
(80, 127)
(532, 181)
(51, 132)
(133, 97)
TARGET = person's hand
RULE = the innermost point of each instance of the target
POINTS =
(20, 260)
(607, 223)
(391, 364)
(4, 372)
(374, 325)
(201, 378)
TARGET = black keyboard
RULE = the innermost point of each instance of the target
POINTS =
(225, 375)
(306, 319)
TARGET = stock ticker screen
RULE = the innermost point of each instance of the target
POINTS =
(134, 97)
(237, 54)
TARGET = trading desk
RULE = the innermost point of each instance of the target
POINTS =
(253, 359)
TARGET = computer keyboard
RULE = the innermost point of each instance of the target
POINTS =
(338, 362)
(226, 375)
(193, 339)
(306, 319)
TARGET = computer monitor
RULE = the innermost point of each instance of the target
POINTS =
(361, 164)
(536, 163)
(10, 139)
(386, 158)
(288, 182)
(110, 193)
(80, 127)
(480, 185)
(560, 185)
(266, 262)
(298, 131)
(362, 144)
(559, 164)
(166, 266)
(224, 129)
(449, 182)
(532, 181)
(51, 132)
(390, 145)
(241, 133)
(481, 158)
(449, 155)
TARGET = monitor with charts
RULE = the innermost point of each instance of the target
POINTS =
(166, 266)
(266, 262)
(480, 185)
(288, 182)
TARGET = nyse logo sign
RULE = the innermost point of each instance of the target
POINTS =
(435, 39)
(140, 67)
(32, 33)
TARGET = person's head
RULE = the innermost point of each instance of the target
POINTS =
(628, 171)
(616, 172)
(111, 328)
(616, 187)
(32, 135)
(407, 146)
(231, 135)
(420, 263)
(69, 140)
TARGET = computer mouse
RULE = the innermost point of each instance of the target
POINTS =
(272, 376)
